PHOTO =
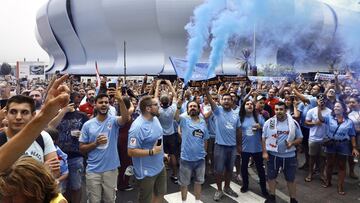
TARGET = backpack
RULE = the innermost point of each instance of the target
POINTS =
(39, 140)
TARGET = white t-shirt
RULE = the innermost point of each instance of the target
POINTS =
(355, 117)
(317, 132)
(37, 152)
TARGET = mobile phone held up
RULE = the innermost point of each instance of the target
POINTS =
(112, 85)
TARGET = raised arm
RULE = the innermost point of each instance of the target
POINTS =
(211, 101)
(123, 110)
(57, 98)
(178, 108)
(143, 85)
(56, 121)
(298, 94)
(171, 89)
(156, 96)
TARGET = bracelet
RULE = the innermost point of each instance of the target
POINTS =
(151, 152)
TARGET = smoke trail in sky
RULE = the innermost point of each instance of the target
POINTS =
(293, 32)
(198, 30)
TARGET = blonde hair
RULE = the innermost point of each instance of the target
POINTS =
(29, 178)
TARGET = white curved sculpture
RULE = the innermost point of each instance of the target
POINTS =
(76, 33)
(48, 42)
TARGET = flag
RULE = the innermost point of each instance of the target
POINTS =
(98, 80)
(199, 72)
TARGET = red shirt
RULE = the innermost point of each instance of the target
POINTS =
(87, 108)
(271, 102)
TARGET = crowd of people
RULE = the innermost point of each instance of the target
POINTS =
(74, 129)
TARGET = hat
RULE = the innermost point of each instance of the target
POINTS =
(260, 97)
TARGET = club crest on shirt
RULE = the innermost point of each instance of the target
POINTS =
(109, 126)
(229, 126)
(198, 133)
(133, 141)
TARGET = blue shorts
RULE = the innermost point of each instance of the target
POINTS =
(224, 158)
(76, 171)
(288, 165)
(341, 148)
(187, 168)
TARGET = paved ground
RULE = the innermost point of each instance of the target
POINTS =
(307, 192)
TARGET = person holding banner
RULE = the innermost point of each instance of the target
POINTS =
(281, 135)
(228, 141)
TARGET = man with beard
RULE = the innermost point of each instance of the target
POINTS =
(194, 136)
(88, 107)
(281, 134)
(146, 149)
(36, 95)
(228, 141)
(99, 141)
(69, 123)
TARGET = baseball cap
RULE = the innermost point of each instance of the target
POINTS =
(260, 97)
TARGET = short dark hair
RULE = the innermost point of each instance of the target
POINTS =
(193, 101)
(74, 94)
(100, 96)
(344, 107)
(20, 99)
(145, 102)
(226, 94)
(280, 103)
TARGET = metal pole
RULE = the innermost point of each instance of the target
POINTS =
(124, 62)
(254, 44)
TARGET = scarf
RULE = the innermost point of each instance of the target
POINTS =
(272, 136)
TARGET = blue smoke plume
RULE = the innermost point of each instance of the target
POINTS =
(198, 30)
(298, 33)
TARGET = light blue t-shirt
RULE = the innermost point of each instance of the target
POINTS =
(304, 108)
(193, 136)
(317, 132)
(166, 119)
(226, 124)
(211, 126)
(143, 134)
(251, 140)
(102, 158)
(345, 131)
(282, 133)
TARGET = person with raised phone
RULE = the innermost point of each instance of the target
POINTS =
(98, 139)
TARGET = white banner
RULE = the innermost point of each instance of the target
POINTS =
(324, 76)
(265, 78)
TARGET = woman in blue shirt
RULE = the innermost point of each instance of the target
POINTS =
(251, 125)
(341, 133)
